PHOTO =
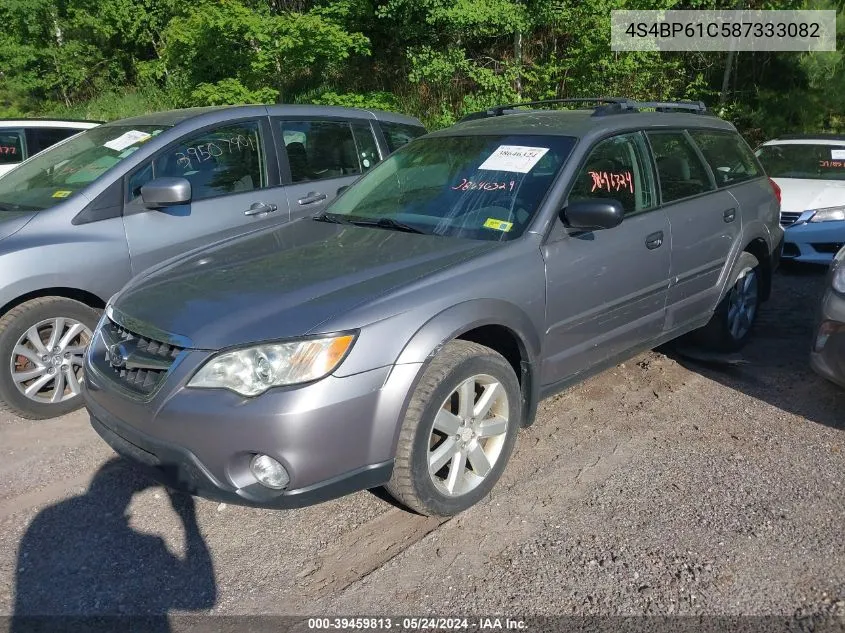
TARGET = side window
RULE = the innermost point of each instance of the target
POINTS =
(729, 157)
(11, 147)
(399, 134)
(320, 149)
(617, 168)
(40, 138)
(366, 144)
(680, 170)
(220, 161)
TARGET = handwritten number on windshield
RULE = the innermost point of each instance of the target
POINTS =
(470, 185)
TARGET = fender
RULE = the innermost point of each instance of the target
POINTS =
(755, 230)
(463, 317)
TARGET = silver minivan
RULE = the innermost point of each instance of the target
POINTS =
(79, 220)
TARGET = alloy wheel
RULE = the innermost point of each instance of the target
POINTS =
(742, 304)
(468, 435)
(46, 361)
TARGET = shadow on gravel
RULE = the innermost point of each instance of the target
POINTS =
(775, 365)
(80, 558)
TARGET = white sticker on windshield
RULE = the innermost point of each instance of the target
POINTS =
(126, 139)
(837, 154)
(515, 158)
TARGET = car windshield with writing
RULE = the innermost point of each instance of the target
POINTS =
(812, 162)
(476, 187)
(60, 172)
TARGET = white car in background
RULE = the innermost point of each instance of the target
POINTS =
(810, 171)
(22, 138)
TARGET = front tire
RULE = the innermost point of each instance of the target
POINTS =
(458, 432)
(42, 342)
(730, 327)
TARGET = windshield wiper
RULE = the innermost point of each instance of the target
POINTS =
(388, 223)
(330, 217)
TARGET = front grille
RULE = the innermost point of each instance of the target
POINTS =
(137, 363)
(788, 218)
(829, 247)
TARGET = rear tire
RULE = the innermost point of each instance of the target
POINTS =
(458, 432)
(731, 325)
(42, 342)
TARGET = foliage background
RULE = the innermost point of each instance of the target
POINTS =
(437, 59)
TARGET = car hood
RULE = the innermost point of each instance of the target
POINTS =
(281, 283)
(800, 194)
(13, 221)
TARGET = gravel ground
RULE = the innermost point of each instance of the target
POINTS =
(662, 486)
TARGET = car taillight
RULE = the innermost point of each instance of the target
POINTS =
(775, 188)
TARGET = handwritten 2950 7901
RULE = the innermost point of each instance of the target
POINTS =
(212, 149)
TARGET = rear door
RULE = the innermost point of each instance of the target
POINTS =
(606, 289)
(320, 156)
(235, 188)
(706, 223)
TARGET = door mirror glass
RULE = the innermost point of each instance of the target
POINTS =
(166, 192)
(592, 215)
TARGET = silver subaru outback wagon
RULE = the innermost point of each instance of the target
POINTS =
(80, 219)
(402, 336)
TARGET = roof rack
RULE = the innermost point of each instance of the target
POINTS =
(604, 106)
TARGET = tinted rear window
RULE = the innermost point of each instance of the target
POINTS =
(399, 134)
(804, 160)
(11, 147)
(40, 138)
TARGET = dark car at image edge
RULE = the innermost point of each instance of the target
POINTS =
(403, 336)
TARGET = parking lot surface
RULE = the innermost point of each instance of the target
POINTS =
(665, 485)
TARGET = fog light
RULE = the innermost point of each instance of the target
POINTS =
(269, 472)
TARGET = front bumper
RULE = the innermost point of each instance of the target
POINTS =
(333, 437)
(813, 243)
(828, 360)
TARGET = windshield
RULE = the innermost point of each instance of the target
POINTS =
(60, 172)
(478, 187)
(814, 162)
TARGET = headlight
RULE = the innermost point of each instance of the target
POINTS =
(830, 214)
(253, 370)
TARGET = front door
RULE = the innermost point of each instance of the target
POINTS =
(606, 289)
(323, 157)
(234, 189)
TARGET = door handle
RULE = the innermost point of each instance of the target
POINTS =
(729, 215)
(257, 208)
(311, 197)
(655, 240)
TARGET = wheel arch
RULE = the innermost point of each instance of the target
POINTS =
(75, 294)
(499, 325)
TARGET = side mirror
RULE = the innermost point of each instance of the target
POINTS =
(593, 215)
(166, 192)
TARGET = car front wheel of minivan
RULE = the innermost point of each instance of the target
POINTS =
(730, 327)
(458, 432)
(42, 342)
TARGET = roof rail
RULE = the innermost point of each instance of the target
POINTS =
(604, 106)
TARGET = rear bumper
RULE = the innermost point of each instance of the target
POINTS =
(178, 468)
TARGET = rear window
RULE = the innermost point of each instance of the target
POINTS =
(11, 147)
(40, 138)
(399, 134)
(731, 160)
(803, 160)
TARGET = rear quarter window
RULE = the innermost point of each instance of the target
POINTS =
(729, 157)
(11, 147)
(399, 134)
